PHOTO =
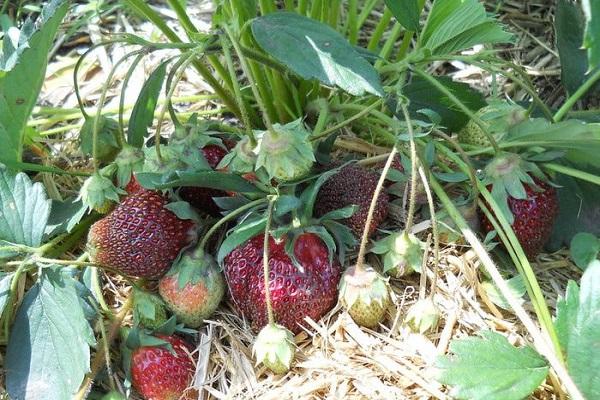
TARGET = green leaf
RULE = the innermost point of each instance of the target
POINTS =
(516, 285)
(142, 114)
(24, 209)
(182, 210)
(406, 12)
(423, 95)
(455, 25)
(5, 281)
(20, 87)
(566, 314)
(239, 235)
(583, 349)
(584, 249)
(48, 352)
(490, 368)
(207, 179)
(569, 27)
(591, 39)
(64, 216)
(315, 50)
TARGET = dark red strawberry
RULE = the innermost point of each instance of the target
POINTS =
(295, 293)
(533, 217)
(353, 185)
(159, 374)
(202, 198)
(140, 237)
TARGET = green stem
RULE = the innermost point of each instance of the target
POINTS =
(381, 27)
(7, 313)
(238, 92)
(575, 173)
(352, 22)
(434, 229)
(579, 93)
(443, 89)
(413, 170)
(96, 127)
(250, 78)
(228, 218)
(266, 274)
(145, 10)
(186, 61)
(348, 121)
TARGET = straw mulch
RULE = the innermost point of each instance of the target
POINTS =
(336, 359)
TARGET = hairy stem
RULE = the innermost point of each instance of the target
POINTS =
(266, 272)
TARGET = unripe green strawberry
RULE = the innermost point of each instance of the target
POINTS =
(365, 294)
(193, 288)
(274, 347)
(423, 316)
(498, 117)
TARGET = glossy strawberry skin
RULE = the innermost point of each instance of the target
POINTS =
(294, 294)
(533, 217)
(202, 198)
(353, 185)
(140, 237)
(157, 374)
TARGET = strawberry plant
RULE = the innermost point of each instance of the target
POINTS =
(274, 207)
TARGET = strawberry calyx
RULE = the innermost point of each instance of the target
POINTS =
(99, 193)
(148, 309)
(402, 253)
(128, 161)
(507, 174)
(274, 347)
(285, 151)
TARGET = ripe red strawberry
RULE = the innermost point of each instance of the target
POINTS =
(533, 217)
(295, 294)
(202, 198)
(353, 185)
(140, 237)
(158, 374)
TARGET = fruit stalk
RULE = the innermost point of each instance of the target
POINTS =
(365, 236)
(413, 170)
(266, 272)
(434, 228)
(98, 362)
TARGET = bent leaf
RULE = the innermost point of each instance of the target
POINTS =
(318, 52)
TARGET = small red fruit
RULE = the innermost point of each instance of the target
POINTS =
(159, 374)
(140, 237)
(533, 217)
(295, 293)
(202, 198)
